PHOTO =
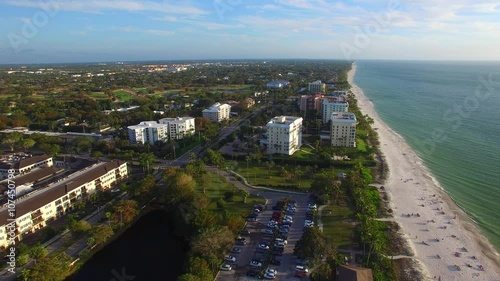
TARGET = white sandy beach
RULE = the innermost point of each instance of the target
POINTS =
(442, 236)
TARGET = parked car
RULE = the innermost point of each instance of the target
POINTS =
(240, 242)
(230, 259)
(255, 264)
(277, 253)
(263, 246)
(278, 239)
(245, 232)
(268, 232)
(301, 262)
(236, 250)
(300, 274)
(275, 262)
(279, 245)
(301, 268)
(252, 273)
(268, 276)
(226, 267)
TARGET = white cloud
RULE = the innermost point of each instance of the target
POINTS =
(97, 6)
(157, 32)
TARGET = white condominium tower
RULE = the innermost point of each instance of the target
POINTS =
(148, 132)
(179, 127)
(217, 112)
(343, 129)
(284, 135)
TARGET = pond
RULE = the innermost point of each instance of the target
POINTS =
(146, 251)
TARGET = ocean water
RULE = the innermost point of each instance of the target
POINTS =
(449, 113)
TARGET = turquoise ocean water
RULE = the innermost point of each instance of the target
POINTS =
(451, 118)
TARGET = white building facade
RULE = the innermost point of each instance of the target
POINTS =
(343, 129)
(330, 106)
(34, 211)
(284, 135)
(217, 112)
(179, 127)
(148, 132)
(316, 87)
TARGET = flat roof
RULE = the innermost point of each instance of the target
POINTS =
(39, 198)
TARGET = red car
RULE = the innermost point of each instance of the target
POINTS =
(300, 274)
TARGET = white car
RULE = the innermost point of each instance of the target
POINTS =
(271, 271)
(263, 246)
(300, 268)
(256, 264)
(226, 267)
(279, 245)
(230, 258)
(269, 276)
(281, 240)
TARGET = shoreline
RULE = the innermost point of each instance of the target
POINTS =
(443, 238)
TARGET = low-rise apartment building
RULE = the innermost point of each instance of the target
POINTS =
(35, 209)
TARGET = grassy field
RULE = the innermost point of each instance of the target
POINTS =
(263, 176)
(305, 152)
(361, 145)
(338, 224)
(216, 189)
(98, 95)
(123, 96)
(233, 87)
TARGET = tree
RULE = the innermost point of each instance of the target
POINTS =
(81, 144)
(146, 160)
(215, 158)
(125, 211)
(51, 268)
(180, 188)
(312, 244)
(79, 228)
(101, 233)
(37, 251)
(11, 140)
(244, 194)
(27, 144)
(189, 277)
(212, 241)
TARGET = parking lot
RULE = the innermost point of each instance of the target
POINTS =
(286, 270)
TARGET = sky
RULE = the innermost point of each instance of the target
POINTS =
(59, 31)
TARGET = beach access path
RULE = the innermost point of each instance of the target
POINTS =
(446, 243)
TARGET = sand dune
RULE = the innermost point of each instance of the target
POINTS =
(445, 241)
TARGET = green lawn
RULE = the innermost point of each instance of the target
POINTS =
(338, 224)
(360, 143)
(263, 176)
(139, 89)
(98, 95)
(219, 185)
(233, 87)
(305, 152)
(123, 96)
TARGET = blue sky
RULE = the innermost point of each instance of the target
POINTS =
(33, 31)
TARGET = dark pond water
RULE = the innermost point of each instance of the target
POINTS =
(146, 251)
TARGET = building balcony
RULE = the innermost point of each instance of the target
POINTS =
(38, 220)
(36, 214)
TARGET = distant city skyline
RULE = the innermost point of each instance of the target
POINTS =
(66, 31)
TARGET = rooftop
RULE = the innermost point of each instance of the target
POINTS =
(285, 120)
(344, 116)
(42, 197)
